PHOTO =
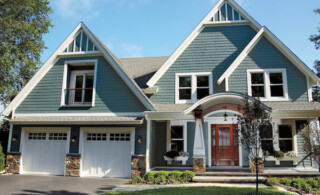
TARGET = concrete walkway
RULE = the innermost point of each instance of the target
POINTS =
(149, 187)
(50, 185)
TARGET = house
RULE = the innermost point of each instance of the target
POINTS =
(88, 113)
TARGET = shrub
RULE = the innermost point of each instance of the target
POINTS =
(313, 183)
(187, 175)
(298, 182)
(175, 175)
(149, 177)
(285, 181)
(162, 176)
(306, 187)
(318, 192)
(157, 180)
(273, 180)
(2, 157)
(135, 180)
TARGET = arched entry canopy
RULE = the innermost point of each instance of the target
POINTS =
(221, 101)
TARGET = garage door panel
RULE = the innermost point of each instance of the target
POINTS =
(44, 156)
(106, 158)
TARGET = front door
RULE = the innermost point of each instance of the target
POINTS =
(224, 145)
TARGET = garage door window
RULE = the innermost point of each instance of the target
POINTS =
(57, 136)
(96, 137)
(37, 136)
(119, 137)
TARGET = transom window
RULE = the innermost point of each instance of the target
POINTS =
(191, 87)
(285, 138)
(57, 136)
(37, 136)
(268, 84)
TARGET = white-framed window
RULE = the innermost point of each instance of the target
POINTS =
(81, 87)
(96, 137)
(37, 136)
(177, 136)
(79, 83)
(191, 87)
(268, 84)
(285, 138)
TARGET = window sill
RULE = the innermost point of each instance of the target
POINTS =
(74, 106)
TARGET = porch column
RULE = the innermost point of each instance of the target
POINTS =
(199, 153)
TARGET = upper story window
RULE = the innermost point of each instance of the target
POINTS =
(191, 87)
(79, 84)
(268, 84)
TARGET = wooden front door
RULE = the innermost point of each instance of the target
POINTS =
(224, 145)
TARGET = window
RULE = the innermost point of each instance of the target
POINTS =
(119, 137)
(37, 136)
(191, 87)
(78, 85)
(177, 138)
(285, 138)
(268, 84)
(57, 136)
(267, 139)
(96, 137)
(185, 88)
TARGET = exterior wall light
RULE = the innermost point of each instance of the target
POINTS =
(225, 113)
(15, 138)
(139, 140)
(74, 139)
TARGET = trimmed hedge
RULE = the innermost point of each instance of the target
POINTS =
(2, 158)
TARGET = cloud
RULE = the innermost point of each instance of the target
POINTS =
(131, 50)
(88, 9)
(76, 9)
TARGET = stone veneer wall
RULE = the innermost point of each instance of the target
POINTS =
(73, 165)
(13, 163)
(199, 164)
(138, 166)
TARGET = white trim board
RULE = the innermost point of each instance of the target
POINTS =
(195, 33)
(119, 114)
(53, 59)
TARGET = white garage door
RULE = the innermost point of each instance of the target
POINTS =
(106, 155)
(44, 153)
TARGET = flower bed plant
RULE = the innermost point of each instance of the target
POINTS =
(299, 185)
(163, 177)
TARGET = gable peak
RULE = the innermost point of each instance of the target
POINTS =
(227, 13)
(80, 43)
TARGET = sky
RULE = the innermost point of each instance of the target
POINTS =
(144, 28)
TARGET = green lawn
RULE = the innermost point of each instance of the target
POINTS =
(205, 190)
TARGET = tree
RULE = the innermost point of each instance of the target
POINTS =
(22, 24)
(255, 128)
(311, 141)
(316, 40)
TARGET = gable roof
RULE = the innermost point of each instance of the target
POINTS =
(114, 62)
(142, 69)
(206, 21)
(265, 32)
(212, 19)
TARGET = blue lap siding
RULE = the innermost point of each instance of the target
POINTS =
(112, 93)
(213, 50)
(266, 56)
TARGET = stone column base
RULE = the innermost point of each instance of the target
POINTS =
(73, 165)
(138, 166)
(13, 163)
(199, 164)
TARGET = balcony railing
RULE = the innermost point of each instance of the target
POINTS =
(78, 96)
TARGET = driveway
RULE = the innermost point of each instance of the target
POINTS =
(48, 185)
